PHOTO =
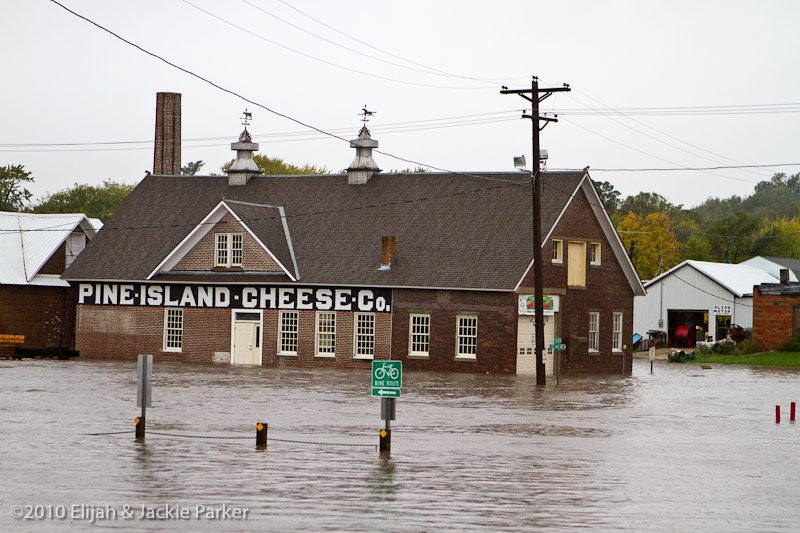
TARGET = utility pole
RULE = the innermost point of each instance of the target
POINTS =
(536, 191)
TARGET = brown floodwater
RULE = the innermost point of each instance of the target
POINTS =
(681, 449)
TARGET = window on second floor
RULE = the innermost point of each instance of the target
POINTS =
(594, 253)
(76, 242)
(558, 251)
(228, 249)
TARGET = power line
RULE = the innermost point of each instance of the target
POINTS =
(309, 56)
(649, 154)
(271, 138)
(262, 106)
(425, 71)
(772, 165)
(506, 78)
(659, 131)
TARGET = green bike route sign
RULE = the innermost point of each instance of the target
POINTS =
(387, 378)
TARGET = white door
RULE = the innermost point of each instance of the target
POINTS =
(246, 350)
(526, 342)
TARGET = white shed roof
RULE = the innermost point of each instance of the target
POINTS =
(739, 279)
(27, 241)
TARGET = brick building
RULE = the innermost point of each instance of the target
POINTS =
(433, 269)
(34, 300)
(776, 313)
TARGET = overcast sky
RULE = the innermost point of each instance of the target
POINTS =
(649, 80)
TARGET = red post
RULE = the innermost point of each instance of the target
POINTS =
(791, 413)
(777, 414)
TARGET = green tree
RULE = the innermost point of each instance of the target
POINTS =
(275, 166)
(780, 238)
(650, 242)
(736, 234)
(95, 202)
(415, 170)
(646, 203)
(608, 195)
(191, 168)
(12, 193)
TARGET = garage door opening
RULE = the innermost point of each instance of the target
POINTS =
(686, 327)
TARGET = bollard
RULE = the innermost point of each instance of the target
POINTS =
(385, 443)
(791, 413)
(777, 414)
(139, 421)
(261, 435)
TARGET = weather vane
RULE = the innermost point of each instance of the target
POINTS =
(366, 114)
(248, 116)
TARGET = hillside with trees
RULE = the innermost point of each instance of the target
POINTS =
(658, 235)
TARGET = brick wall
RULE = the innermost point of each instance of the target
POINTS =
(45, 315)
(201, 257)
(772, 319)
(497, 329)
(57, 263)
(123, 332)
(607, 291)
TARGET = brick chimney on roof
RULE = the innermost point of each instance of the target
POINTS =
(167, 149)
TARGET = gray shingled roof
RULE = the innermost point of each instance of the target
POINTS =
(453, 231)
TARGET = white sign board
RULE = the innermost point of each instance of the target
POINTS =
(527, 306)
(652, 353)
(722, 309)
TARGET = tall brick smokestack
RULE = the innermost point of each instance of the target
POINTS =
(167, 149)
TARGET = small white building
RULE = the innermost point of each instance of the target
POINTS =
(774, 265)
(698, 299)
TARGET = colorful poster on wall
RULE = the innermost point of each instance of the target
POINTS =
(528, 307)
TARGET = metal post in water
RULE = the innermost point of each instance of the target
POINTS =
(791, 413)
(139, 421)
(777, 414)
(388, 414)
(261, 435)
(144, 391)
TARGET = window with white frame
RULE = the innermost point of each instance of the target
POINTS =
(76, 242)
(288, 334)
(594, 331)
(616, 332)
(419, 334)
(467, 336)
(364, 345)
(173, 329)
(558, 251)
(326, 333)
(594, 253)
(228, 249)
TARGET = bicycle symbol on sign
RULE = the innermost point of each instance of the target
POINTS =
(387, 370)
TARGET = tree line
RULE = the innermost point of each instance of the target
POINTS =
(658, 234)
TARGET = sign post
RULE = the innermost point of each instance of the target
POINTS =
(652, 353)
(387, 379)
(557, 346)
(144, 392)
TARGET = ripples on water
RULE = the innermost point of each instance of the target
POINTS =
(681, 449)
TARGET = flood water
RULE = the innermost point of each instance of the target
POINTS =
(681, 449)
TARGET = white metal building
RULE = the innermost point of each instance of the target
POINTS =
(698, 299)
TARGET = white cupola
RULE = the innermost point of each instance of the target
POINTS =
(244, 167)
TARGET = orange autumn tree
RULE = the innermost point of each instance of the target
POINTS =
(650, 243)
